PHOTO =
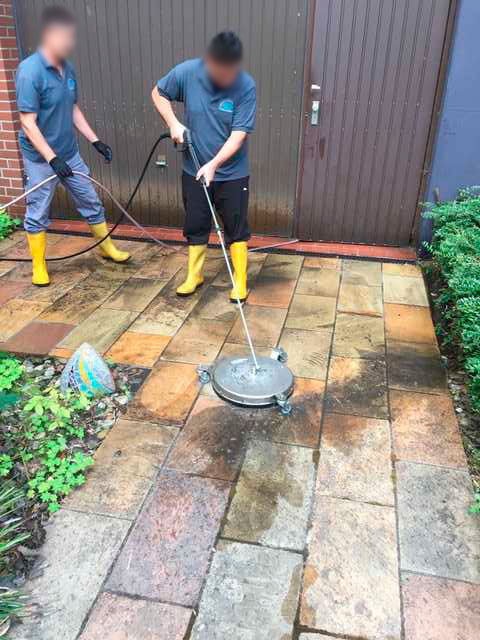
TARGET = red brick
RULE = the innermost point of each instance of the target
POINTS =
(7, 21)
(5, 182)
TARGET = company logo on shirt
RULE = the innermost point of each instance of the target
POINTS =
(71, 84)
(226, 106)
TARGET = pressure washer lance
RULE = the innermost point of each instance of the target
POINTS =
(191, 149)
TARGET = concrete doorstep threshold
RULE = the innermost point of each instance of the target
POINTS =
(265, 243)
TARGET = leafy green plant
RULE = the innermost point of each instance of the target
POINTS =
(7, 224)
(11, 370)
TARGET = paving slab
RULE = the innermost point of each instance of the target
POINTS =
(355, 459)
(162, 267)
(126, 464)
(357, 386)
(323, 263)
(16, 314)
(319, 282)
(101, 329)
(60, 284)
(135, 294)
(272, 497)
(251, 592)
(198, 341)
(140, 349)
(215, 305)
(167, 394)
(437, 609)
(9, 290)
(358, 336)
(264, 323)
(415, 367)
(272, 292)
(79, 303)
(307, 351)
(255, 263)
(78, 551)
(409, 324)
(362, 272)
(425, 429)
(117, 617)
(437, 534)
(361, 299)
(312, 313)
(38, 338)
(402, 269)
(282, 266)
(167, 553)
(350, 583)
(404, 290)
(314, 636)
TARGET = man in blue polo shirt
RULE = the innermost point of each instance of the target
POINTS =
(220, 104)
(49, 115)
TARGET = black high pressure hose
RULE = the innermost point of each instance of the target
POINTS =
(164, 136)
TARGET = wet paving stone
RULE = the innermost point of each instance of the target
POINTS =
(405, 269)
(101, 329)
(415, 367)
(437, 609)
(167, 553)
(117, 617)
(357, 387)
(355, 459)
(356, 298)
(78, 304)
(78, 552)
(17, 314)
(351, 575)
(404, 290)
(272, 496)
(272, 292)
(60, 284)
(362, 272)
(282, 266)
(161, 267)
(215, 305)
(167, 395)
(9, 290)
(255, 263)
(425, 429)
(38, 338)
(409, 324)
(323, 263)
(264, 323)
(437, 534)
(319, 282)
(251, 592)
(126, 464)
(135, 294)
(359, 336)
(307, 351)
(198, 341)
(311, 313)
(138, 348)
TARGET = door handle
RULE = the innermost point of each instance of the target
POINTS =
(315, 112)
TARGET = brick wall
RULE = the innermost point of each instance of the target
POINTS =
(11, 171)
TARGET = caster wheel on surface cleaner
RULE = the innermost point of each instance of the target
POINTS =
(204, 375)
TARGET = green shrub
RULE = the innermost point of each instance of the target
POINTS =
(456, 265)
(7, 224)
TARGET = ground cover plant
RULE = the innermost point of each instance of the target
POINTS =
(7, 224)
(454, 277)
(47, 441)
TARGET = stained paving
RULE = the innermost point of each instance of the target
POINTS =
(204, 521)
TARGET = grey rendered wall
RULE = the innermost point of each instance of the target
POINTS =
(456, 157)
(126, 45)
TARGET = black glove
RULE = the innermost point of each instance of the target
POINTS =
(104, 149)
(61, 168)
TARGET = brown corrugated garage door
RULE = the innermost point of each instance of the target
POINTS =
(374, 72)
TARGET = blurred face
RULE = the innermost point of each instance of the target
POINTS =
(222, 75)
(59, 40)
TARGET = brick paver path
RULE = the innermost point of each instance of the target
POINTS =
(204, 521)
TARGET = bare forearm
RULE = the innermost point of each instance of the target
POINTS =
(230, 148)
(33, 133)
(81, 125)
(164, 108)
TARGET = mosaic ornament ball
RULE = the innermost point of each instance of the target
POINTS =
(87, 373)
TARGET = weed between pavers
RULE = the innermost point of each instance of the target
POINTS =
(47, 441)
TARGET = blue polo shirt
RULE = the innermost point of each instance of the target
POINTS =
(212, 114)
(43, 90)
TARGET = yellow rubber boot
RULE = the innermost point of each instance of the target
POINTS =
(239, 253)
(107, 248)
(38, 246)
(196, 259)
